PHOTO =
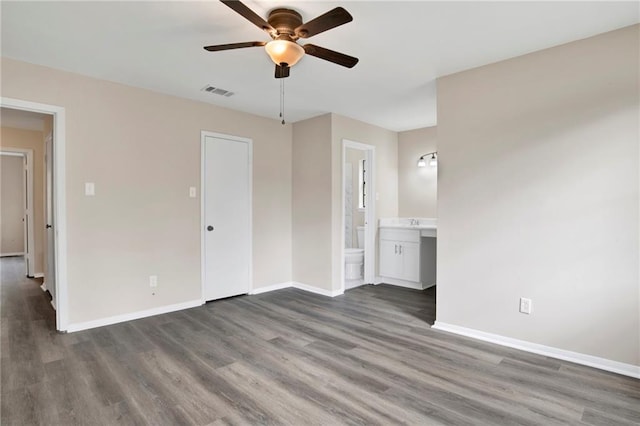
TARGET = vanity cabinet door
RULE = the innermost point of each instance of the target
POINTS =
(390, 260)
(410, 258)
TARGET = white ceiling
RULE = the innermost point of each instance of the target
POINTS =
(403, 47)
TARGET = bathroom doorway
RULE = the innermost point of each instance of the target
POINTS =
(358, 214)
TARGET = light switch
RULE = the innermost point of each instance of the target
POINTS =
(192, 192)
(89, 189)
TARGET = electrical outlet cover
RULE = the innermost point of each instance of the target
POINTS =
(525, 305)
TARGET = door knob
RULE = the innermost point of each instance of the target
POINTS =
(48, 226)
(209, 228)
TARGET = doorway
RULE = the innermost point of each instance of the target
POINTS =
(358, 214)
(17, 206)
(226, 201)
(55, 274)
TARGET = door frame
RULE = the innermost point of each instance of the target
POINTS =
(369, 217)
(59, 200)
(29, 230)
(203, 135)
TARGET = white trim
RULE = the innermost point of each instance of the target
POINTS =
(370, 215)
(43, 287)
(272, 287)
(53, 305)
(316, 290)
(403, 283)
(38, 275)
(575, 357)
(203, 275)
(299, 286)
(133, 315)
(12, 154)
(28, 226)
(12, 254)
(249, 142)
(349, 284)
(59, 197)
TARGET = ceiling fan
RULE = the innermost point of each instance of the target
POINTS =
(285, 27)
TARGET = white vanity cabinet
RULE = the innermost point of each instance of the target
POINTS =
(400, 254)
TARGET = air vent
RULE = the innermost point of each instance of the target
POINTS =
(217, 91)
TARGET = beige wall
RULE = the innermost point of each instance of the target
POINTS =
(317, 192)
(142, 151)
(354, 156)
(32, 139)
(312, 202)
(538, 197)
(12, 193)
(386, 179)
(417, 186)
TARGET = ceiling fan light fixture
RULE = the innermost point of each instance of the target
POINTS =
(284, 52)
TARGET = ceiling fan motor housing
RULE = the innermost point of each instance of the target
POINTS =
(285, 21)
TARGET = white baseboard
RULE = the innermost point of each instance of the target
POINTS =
(132, 316)
(299, 286)
(402, 283)
(53, 304)
(575, 357)
(12, 254)
(316, 290)
(269, 288)
(191, 304)
(38, 275)
(44, 286)
(349, 284)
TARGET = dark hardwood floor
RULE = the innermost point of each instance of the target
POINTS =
(286, 357)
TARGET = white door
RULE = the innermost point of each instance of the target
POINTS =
(50, 273)
(25, 218)
(227, 217)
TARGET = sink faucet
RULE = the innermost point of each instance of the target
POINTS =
(414, 222)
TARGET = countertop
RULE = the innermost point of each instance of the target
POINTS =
(419, 224)
(409, 222)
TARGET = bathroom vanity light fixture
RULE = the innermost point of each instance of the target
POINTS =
(433, 161)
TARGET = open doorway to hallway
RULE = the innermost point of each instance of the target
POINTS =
(26, 199)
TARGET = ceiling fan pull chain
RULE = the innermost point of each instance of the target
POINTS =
(280, 93)
(282, 100)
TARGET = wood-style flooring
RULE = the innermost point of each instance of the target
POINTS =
(368, 357)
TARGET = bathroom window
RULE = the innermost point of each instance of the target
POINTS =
(362, 184)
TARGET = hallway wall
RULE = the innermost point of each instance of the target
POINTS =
(34, 140)
(12, 194)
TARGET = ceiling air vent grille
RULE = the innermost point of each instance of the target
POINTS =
(217, 91)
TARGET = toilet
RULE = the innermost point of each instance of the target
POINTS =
(354, 258)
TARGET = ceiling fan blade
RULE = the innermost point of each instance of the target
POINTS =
(218, 47)
(282, 71)
(331, 19)
(330, 55)
(249, 15)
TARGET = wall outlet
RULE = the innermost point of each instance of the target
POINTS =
(192, 192)
(153, 281)
(89, 189)
(525, 305)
